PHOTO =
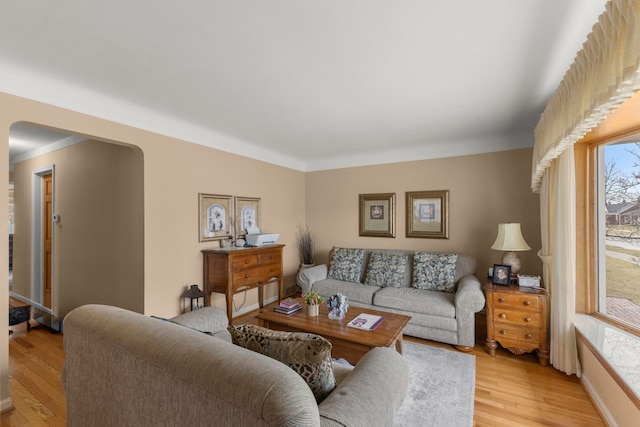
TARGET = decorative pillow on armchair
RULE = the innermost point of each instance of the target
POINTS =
(386, 269)
(346, 265)
(307, 354)
(435, 272)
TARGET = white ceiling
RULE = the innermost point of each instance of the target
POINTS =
(309, 85)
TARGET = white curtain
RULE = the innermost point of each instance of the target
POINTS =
(558, 254)
(605, 73)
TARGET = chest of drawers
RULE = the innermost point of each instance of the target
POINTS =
(517, 320)
(233, 270)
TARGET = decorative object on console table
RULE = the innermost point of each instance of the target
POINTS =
(377, 215)
(234, 270)
(510, 239)
(313, 301)
(195, 298)
(517, 319)
(427, 214)
(306, 243)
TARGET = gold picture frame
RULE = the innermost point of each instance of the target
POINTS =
(215, 217)
(377, 215)
(247, 214)
(428, 214)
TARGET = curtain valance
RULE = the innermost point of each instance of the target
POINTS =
(605, 73)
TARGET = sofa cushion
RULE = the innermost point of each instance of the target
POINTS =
(435, 303)
(385, 269)
(307, 354)
(434, 272)
(355, 292)
(346, 264)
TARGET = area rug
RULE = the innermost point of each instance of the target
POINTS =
(441, 387)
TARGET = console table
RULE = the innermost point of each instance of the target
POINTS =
(233, 270)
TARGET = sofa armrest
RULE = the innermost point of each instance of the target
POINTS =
(370, 394)
(307, 277)
(207, 319)
(469, 296)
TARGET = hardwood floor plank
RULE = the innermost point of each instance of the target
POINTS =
(510, 390)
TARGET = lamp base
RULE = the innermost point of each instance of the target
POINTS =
(512, 259)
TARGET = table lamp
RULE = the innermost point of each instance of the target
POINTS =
(510, 240)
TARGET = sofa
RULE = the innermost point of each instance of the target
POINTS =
(125, 369)
(440, 292)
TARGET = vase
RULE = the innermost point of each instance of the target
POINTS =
(313, 310)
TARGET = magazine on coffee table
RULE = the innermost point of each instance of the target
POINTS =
(365, 321)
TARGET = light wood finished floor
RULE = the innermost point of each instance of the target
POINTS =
(510, 390)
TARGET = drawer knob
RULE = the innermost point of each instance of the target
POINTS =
(271, 257)
(500, 299)
(503, 316)
(528, 336)
(246, 261)
(503, 331)
(527, 319)
(527, 302)
(246, 276)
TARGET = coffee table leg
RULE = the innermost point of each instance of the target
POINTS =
(399, 345)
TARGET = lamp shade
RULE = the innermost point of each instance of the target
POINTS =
(510, 238)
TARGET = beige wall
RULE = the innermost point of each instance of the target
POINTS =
(484, 190)
(98, 242)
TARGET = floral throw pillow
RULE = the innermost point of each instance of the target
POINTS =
(435, 272)
(307, 354)
(346, 265)
(386, 269)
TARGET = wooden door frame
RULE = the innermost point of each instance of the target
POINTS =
(37, 250)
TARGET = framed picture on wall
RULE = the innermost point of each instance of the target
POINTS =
(428, 214)
(247, 214)
(377, 215)
(215, 217)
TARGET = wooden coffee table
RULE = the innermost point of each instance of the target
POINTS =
(348, 343)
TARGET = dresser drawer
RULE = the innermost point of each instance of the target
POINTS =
(506, 331)
(522, 301)
(516, 317)
(271, 257)
(245, 261)
(254, 276)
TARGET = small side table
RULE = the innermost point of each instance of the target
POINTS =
(517, 319)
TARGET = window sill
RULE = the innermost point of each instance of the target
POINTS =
(616, 349)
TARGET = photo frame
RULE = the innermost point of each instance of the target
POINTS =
(501, 275)
(215, 217)
(427, 214)
(377, 215)
(247, 214)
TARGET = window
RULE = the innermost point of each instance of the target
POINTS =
(618, 231)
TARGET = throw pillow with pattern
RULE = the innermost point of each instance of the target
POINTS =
(346, 265)
(386, 269)
(307, 354)
(435, 272)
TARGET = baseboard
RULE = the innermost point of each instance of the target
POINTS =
(6, 404)
(597, 402)
(253, 307)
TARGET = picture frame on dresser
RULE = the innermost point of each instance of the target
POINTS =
(377, 215)
(215, 217)
(247, 215)
(501, 275)
(427, 214)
